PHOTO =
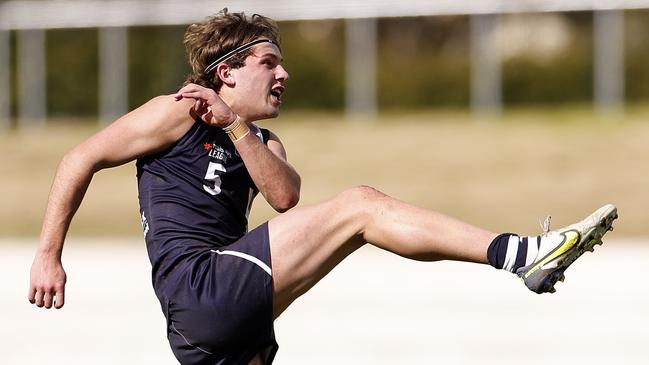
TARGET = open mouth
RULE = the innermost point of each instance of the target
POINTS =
(277, 93)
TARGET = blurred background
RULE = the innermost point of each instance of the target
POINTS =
(497, 113)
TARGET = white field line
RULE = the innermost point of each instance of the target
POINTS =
(374, 308)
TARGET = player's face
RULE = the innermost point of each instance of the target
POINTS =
(259, 84)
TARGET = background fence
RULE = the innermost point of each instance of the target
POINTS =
(30, 19)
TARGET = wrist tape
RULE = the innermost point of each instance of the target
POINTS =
(237, 130)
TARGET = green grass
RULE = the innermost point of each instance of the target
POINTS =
(503, 173)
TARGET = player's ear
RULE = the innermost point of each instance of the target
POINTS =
(224, 74)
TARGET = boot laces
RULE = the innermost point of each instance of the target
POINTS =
(545, 226)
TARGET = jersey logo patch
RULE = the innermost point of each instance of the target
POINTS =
(217, 152)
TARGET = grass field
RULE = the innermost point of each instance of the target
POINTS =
(375, 308)
(504, 174)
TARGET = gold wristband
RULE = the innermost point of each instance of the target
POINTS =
(237, 130)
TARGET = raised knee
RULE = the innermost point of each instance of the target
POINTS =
(359, 205)
(360, 194)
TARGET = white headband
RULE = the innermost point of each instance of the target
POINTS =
(239, 49)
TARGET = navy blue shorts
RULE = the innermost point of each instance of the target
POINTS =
(221, 310)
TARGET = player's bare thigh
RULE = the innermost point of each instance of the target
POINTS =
(307, 243)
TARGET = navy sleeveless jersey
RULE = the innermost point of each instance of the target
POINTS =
(196, 195)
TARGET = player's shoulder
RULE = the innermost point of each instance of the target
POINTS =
(165, 109)
(165, 116)
(169, 106)
(271, 136)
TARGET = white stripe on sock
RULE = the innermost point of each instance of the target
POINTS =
(532, 250)
(245, 256)
(510, 256)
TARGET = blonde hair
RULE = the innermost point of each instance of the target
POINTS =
(219, 34)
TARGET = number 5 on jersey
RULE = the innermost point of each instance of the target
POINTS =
(214, 180)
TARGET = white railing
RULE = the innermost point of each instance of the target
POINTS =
(116, 13)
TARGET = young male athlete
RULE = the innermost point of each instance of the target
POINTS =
(200, 162)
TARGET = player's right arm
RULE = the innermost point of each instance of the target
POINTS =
(146, 130)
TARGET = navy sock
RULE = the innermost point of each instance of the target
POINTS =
(497, 250)
(507, 251)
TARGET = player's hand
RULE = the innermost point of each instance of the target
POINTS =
(47, 282)
(209, 106)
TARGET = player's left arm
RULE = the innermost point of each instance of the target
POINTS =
(275, 178)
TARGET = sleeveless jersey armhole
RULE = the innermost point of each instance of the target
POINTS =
(265, 133)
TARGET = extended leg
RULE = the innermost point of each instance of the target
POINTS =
(308, 242)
